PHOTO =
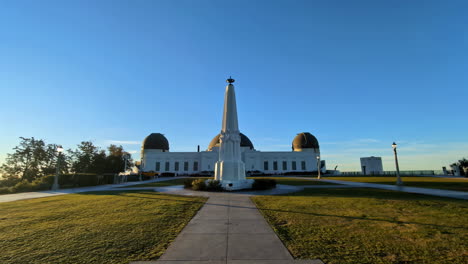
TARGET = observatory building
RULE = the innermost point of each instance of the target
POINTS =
(304, 156)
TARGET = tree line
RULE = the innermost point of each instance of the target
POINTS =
(33, 159)
(462, 165)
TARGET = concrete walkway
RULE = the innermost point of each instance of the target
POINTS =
(31, 195)
(228, 229)
(427, 191)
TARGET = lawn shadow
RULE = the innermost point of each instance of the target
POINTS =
(363, 218)
(369, 193)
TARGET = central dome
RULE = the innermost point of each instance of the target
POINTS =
(245, 142)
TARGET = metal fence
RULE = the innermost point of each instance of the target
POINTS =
(393, 173)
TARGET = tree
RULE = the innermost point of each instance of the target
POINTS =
(83, 157)
(462, 165)
(31, 159)
(88, 158)
(115, 160)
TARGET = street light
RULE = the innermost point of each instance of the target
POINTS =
(318, 167)
(55, 186)
(398, 182)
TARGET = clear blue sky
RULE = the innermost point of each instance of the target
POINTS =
(356, 74)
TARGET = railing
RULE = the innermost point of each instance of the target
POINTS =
(393, 173)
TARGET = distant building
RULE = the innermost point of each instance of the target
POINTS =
(371, 165)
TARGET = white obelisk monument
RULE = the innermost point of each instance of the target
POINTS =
(230, 169)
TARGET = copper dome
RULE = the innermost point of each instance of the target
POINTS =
(245, 142)
(305, 140)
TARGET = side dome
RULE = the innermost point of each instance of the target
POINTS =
(155, 141)
(245, 142)
(305, 140)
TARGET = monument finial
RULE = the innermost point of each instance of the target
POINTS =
(230, 80)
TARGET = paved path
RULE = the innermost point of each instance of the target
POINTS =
(31, 195)
(228, 229)
(427, 191)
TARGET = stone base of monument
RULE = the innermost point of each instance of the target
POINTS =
(237, 185)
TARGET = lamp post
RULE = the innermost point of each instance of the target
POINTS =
(398, 182)
(126, 157)
(55, 186)
(318, 167)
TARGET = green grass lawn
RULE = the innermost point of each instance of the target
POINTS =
(369, 226)
(164, 183)
(424, 182)
(279, 180)
(101, 227)
(292, 181)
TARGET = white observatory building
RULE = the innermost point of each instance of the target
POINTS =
(304, 156)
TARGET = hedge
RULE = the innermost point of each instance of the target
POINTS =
(65, 181)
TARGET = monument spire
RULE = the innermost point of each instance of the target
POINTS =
(230, 169)
(230, 122)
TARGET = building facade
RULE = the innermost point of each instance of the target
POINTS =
(371, 165)
(155, 156)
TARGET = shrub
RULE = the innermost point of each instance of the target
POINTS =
(167, 174)
(48, 179)
(199, 185)
(263, 184)
(133, 177)
(40, 185)
(25, 186)
(5, 190)
(107, 178)
(188, 183)
(145, 178)
(214, 186)
(22, 186)
(8, 182)
(87, 179)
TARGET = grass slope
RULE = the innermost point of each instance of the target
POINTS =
(424, 182)
(279, 180)
(369, 226)
(292, 181)
(163, 183)
(102, 227)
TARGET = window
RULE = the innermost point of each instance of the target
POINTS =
(293, 165)
(303, 165)
(195, 166)
(166, 166)
(275, 165)
(285, 165)
(186, 166)
(176, 166)
(265, 165)
(158, 166)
